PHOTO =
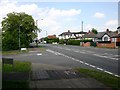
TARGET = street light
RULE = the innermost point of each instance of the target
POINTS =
(19, 37)
(36, 30)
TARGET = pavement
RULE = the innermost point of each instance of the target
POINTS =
(52, 76)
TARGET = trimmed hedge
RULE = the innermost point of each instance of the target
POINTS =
(77, 42)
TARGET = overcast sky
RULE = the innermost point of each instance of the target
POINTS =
(60, 17)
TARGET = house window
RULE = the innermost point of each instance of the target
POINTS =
(105, 38)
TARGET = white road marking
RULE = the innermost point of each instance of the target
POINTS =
(76, 51)
(108, 72)
(100, 69)
(85, 63)
(39, 54)
(92, 66)
(105, 57)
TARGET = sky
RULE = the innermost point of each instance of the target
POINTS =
(57, 17)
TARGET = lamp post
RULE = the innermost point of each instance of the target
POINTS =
(36, 30)
(19, 38)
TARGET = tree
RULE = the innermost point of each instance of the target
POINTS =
(94, 31)
(11, 25)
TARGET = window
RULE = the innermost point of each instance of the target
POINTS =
(105, 38)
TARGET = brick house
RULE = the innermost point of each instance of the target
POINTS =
(106, 39)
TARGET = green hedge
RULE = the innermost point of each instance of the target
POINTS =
(77, 42)
(73, 42)
(48, 40)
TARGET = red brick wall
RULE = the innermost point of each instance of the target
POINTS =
(107, 45)
(87, 44)
(118, 39)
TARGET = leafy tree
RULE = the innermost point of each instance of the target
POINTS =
(11, 25)
(94, 31)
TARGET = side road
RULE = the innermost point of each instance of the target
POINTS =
(52, 76)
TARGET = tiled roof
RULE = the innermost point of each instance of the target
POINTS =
(89, 35)
(101, 34)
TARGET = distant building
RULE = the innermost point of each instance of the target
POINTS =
(71, 35)
(51, 36)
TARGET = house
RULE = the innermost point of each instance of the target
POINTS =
(89, 36)
(77, 35)
(71, 35)
(65, 35)
(106, 39)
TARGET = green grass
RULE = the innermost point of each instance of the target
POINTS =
(13, 52)
(106, 79)
(18, 66)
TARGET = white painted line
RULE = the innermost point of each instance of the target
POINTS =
(87, 64)
(92, 66)
(108, 72)
(84, 62)
(116, 75)
(76, 51)
(82, 52)
(81, 61)
(39, 54)
(100, 69)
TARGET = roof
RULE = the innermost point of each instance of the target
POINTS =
(89, 35)
(116, 36)
(65, 33)
(51, 36)
(101, 34)
(118, 27)
(79, 32)
(69, 33)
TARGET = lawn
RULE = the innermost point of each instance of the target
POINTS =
(19, 67)
(106, 79)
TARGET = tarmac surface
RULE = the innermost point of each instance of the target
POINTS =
(52, 76)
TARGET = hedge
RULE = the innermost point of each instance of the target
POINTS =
(77, 42)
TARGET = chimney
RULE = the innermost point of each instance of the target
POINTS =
(88, 31)
(107, 31)
(118, 30)
(68, 30)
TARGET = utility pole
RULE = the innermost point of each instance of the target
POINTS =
(82, 26)
(19, 38)
(82, 31)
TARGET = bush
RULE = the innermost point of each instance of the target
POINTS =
(51, 40)
(73, 42)
(61, 41)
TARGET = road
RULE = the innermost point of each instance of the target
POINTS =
(105, 60)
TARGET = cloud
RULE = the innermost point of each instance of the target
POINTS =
(99, 15)
(52, 17)
(58, 12)
(111, 23)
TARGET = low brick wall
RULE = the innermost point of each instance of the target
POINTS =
(107, 45)
(87, 44)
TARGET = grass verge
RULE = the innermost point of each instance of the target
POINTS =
(19, 67)
(12, 52)
(106, 79)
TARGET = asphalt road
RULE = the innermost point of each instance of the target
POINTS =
(105, 60)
